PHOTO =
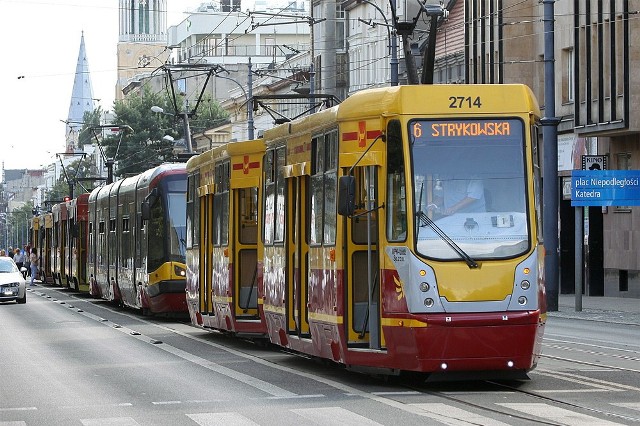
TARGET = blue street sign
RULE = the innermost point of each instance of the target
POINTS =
(605, 188)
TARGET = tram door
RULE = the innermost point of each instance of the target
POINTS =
(246, 257)
(297, 257)
(361, 263)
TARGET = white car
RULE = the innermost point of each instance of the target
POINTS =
(12, 284)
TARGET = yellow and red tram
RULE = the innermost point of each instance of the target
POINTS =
(398, 231)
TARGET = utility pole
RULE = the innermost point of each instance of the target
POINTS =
(250, 101)
(550, 170)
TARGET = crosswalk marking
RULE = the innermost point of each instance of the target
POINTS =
(110, 421)
(557, 414)
(453, 416)
(440, 413)
(216, 419)
(631, 405)
(333, 416)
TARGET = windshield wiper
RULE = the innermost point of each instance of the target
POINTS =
(424, 220)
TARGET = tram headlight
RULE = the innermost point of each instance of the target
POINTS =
(522, 300)
(525, 285)
(179, 271)
(428, 302)
(424, 286)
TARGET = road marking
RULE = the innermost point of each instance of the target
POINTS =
(333, 416)
(18, 409)
(597, 383)
(631, 405)
(110, 421)
(453, 416)
(217, 419)
(557, 414)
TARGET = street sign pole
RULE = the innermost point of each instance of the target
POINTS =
(579, 241)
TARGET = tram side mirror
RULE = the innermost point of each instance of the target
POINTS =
(146, 210)
(346, 195)
(148, 201)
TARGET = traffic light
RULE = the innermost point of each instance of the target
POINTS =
(66, 198)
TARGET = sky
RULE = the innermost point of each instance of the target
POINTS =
(42, 40)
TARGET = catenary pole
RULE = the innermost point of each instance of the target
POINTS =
(550, 169)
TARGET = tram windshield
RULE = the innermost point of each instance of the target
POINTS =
(167, 225)
(177, 225)
(470, 184)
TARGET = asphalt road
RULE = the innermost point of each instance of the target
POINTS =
(70, 360)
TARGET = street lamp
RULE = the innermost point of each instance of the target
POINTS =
(393, 42)
(185, 120)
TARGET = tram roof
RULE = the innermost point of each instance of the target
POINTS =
(436, 100)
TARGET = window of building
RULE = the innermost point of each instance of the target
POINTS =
(568, 76)
(623, 160)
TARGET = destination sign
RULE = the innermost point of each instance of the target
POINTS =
(605, 188)
(471, 128)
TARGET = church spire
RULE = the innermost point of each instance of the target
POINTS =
(81, 97)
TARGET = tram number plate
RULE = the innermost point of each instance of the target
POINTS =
(399, 254)
(457, 102)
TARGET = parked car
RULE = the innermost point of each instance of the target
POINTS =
(12, 284)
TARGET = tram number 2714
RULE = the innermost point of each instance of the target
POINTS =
(457, 102)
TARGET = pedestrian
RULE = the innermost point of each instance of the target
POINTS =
(3, 252)
(33, 258)
(19, 259)
(27, 252)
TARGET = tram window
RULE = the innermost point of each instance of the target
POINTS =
(323, 189)
(330, 187)
(196, 212)
(269, 198)
(221, 205)
(280, 195)
(317, 188)
(190, 212)
(248, 203)
(396, 189)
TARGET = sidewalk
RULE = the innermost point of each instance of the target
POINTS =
(617, 310)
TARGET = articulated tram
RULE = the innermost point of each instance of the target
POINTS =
(68, 251)
(397, 231)
(136, 241)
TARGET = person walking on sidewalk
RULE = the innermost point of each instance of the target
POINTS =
(19, 258)
(33, 258)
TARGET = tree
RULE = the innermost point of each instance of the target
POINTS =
(145, 146)
(90, 119)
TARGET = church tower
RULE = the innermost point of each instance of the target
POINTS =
(142, 42)
(81, 99)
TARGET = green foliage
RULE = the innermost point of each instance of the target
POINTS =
(137, 151)
(90, 119)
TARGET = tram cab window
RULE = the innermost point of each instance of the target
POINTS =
(396, 187)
